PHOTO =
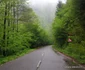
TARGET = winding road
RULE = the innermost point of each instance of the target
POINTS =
(42, 59)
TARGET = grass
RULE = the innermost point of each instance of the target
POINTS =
(12, 57)
(79, 58)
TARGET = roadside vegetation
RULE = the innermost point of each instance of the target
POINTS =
(69, 29)
(19, 29)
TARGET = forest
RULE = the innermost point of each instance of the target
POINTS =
(69, 29)
(19, 28)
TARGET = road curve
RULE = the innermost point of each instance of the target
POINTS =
(41, 59)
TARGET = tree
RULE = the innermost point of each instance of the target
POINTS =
(69, 23)
(19, 28)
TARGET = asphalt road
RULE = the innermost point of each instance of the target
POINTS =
(41, 59)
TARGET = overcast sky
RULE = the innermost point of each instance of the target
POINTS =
(34, 2)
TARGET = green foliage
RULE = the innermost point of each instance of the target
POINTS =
(69, 23)
(60, 36)
(77, 51)
(59, 31)
(19, 28)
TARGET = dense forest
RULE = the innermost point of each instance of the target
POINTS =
(69, 29)
(19, 28)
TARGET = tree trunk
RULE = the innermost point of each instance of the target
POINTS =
(17, 17)
(4, 34)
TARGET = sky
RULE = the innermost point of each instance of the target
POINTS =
(34, 2)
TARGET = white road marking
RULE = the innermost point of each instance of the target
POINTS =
(38, 65)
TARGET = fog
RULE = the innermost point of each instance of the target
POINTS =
(45, 10)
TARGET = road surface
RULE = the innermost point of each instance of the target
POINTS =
(41, 59)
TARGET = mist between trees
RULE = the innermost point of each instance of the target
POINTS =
(19, 28)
